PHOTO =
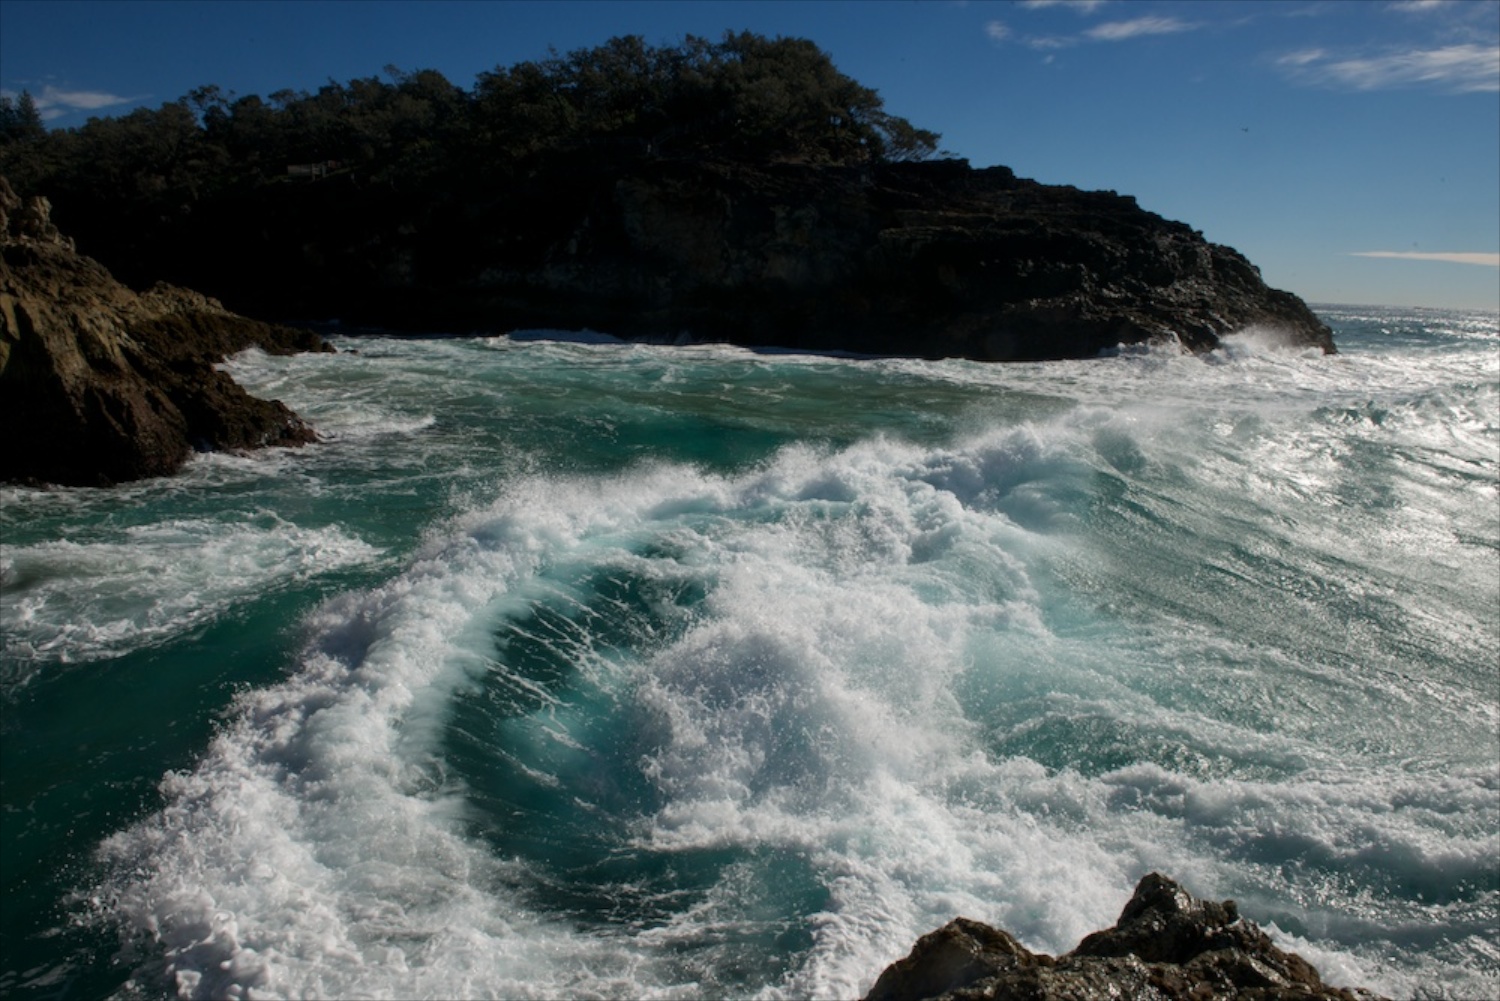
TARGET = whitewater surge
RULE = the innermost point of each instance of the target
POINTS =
(627, 671)
(143, 583)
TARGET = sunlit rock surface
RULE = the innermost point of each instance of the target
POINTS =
(1166, 945)
(99, 384)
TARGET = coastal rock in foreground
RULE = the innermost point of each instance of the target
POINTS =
(1165, 946)
(99, 384)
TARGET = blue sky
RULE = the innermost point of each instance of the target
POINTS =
(1350, 149)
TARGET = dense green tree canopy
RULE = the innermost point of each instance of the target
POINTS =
(746, 97)
(286, 184)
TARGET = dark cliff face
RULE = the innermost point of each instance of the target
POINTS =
(933, 260)
(99, 384)
(926, 259)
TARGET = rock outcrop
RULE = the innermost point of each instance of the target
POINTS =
(1165, 946)
(99, 384)
(928, 259)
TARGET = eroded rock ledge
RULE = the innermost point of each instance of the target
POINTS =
(1165, 946)
(99, 384)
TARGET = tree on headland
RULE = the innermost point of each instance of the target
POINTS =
(153, 182)
(20, 121)
(748, 97)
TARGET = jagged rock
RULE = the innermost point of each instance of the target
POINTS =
(1165, 946)
(956, 956)
(100, 385)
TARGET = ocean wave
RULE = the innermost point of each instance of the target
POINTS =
(665, 732)
(700, 672)
(75, 601)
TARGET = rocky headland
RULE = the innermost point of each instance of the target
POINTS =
(741, 190)
(1166, 946)
(930, 259)
(100, 384)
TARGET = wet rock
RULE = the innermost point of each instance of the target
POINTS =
(957, 956)
(1166, 946)
(99, 384)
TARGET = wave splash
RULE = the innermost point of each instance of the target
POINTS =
(72, 601)
(669, 732)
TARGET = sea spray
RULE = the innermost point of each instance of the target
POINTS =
(686, 672)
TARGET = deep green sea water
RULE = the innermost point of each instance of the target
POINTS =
(572, 668)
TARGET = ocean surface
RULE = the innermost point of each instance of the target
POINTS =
(568, 668)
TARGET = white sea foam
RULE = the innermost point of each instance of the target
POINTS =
(71, 601)
(364, 404)
(330, 781)
(309, 854)
(901, 684)
(563, 336)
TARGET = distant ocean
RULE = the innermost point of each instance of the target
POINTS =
(568, 668)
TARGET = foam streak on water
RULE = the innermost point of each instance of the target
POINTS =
(109, 592)
(684, 672)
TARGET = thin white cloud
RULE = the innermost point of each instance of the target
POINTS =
(1418, 6)
(1302, 58)
(1317, 8)
(1047, 43)
(1081, 6)
(1119, 31)
(1484, 260)
(1109, 31)
(1462, 69)
(79, 100)
(54, 102)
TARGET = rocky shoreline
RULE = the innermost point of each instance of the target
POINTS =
(930, 259)
(644, 192)
(100, 384)
(925, 259)
(1166, 946)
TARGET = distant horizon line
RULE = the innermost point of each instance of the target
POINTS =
(1481, 258)
(1316, 304)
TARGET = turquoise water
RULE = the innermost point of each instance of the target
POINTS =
(571, 668)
